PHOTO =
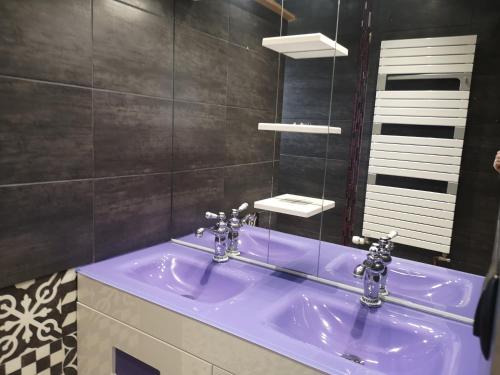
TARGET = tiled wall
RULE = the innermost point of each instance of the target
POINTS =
(121, 122)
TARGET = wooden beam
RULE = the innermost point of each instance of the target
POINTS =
(276, 8)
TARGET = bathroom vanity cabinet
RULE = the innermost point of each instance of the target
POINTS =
(167, 343)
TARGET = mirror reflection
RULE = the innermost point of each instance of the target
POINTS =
(382, 151)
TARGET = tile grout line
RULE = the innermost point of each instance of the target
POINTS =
(172, 155)
(111, 91)
(93, 135)
(90, 179)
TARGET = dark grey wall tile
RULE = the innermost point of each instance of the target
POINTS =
(158, 7)
(244, 142)
(200, 67)
(349, 12)
(339, 144)
(133, 49)
(335, 183)
(252, 79)
(211, 17)
(301, 176)
(49, 228)
(299, 226)
(48, 40)
(133, 134)
(481, 143)
(307, 89)
(199, 134)
(413, 14)
(196, 192)
(484, 92)
(333, 223)
(314, 145)
(344, 89)
(45, 132)
(247, 183)
(314, 16)
(251, 22)
(303, 144)
(131, 213)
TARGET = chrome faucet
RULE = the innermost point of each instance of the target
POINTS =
(220, 231)
(235, 224)
(374, 270)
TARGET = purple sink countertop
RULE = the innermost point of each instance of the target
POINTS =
(441, 288)
(309, 322)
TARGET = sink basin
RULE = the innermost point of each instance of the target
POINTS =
(448, 290)
(380, 339)
(435, 286)
(196, 279)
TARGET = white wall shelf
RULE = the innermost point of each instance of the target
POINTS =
(300, 128)
(305, 46)
(295, 205)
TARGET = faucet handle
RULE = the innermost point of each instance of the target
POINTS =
(220, 216)
(236, 211)
(199, 232)
(211, 215)
(391, 235)
(357, 240)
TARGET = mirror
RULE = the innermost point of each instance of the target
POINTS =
(308, 88)
(417, 134)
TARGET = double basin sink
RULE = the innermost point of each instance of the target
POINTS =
(452, 291)
(318, 325)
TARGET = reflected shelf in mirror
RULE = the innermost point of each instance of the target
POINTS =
(295, 205)
(305, 46)
(300, 128)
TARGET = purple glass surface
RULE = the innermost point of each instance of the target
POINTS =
(448, 290)
(318, 325)
(387, 341)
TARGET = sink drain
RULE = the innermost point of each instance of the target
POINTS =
(353, 358)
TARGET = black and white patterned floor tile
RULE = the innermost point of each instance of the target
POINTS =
(38, 326)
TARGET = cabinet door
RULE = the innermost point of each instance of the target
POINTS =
(103, 341)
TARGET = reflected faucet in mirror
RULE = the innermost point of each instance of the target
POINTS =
(235, 224)
(226, 232)
(374, 269)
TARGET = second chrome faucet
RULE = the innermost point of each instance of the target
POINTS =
(374, 270)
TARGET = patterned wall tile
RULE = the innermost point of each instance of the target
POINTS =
(38, 326)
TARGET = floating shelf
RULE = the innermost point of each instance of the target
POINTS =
(305, 46)
(300, 128)
(295, 205)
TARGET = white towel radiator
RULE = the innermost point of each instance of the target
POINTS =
(424, 219)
